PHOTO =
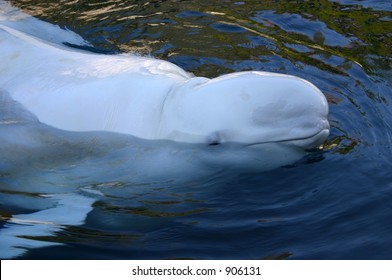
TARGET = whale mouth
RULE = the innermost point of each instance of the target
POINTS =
(306, 142)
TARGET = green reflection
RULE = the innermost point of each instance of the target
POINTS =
(146, 26)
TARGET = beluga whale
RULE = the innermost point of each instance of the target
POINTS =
(77, 90)
(73, 120)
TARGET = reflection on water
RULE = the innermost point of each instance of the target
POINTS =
(333, 204)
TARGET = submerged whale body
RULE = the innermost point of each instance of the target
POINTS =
(68, 115)
(53, 177)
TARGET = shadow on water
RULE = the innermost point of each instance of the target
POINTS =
(333, 204)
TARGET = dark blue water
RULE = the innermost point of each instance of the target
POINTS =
(333, 204)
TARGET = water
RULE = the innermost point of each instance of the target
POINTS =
(334, 204)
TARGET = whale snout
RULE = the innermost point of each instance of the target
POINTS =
(290, 110)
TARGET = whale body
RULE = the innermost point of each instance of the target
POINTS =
(77, 90)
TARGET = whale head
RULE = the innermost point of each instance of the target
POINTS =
(248, 108)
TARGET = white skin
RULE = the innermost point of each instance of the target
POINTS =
(248, 107)
(154, 99)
